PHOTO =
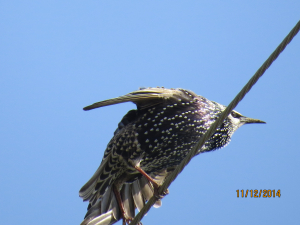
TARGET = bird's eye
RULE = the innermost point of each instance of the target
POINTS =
(235, 114)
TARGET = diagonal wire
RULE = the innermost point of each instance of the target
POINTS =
(219, 121)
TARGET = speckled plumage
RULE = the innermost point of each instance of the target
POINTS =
(156, 138)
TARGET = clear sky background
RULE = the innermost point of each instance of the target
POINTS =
(58, 56)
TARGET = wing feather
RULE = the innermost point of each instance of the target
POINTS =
(144, 98)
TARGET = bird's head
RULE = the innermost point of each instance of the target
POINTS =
(238, 119)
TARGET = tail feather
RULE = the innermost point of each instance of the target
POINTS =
(146, 188)
(103, 219)
(147, 191)
(128, 201)
(106, 210)
(115, 208)
(106, 199)
(137, 196)
(93, 212)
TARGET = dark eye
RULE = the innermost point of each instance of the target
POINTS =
(235, 114)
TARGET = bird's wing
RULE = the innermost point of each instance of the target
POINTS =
(143, 98)
(89, 190)
(147, 97)
(111, 167)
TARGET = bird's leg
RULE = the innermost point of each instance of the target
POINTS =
(153, 182)
(126, 219)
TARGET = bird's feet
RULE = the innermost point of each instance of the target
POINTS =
(156, 192)
(126, 219)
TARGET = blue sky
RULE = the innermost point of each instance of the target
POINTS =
(58, 56)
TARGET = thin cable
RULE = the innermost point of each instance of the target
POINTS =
(219, 121)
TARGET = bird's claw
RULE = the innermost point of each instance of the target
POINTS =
(158, 195)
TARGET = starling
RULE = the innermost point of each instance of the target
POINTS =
(147, 145)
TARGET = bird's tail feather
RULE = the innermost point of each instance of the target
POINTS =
(106, 210)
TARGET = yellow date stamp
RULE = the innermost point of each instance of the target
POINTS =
(258, 193)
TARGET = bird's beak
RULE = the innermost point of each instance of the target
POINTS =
(248, 120)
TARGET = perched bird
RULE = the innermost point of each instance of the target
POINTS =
(147, 145)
